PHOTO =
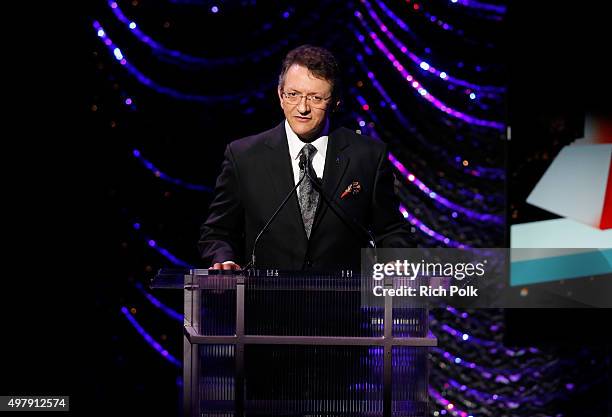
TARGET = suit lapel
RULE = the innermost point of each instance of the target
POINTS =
(280, 173)
(336, 163)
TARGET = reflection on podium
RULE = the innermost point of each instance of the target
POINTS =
(263, 343)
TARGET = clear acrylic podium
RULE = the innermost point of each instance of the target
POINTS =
(265, 342)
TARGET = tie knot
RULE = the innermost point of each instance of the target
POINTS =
(309, 150)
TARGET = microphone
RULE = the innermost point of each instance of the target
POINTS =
(334, 206)
(251, 264)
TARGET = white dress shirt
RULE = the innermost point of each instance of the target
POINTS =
(296, 145)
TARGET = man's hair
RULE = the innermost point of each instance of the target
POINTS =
(319, 61)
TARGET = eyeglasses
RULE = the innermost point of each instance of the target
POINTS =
(295, 98)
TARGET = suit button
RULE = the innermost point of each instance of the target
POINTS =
(308, 263)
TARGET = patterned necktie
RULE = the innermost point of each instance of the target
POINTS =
(308, 196)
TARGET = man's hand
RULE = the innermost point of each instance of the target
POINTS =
(226, 266)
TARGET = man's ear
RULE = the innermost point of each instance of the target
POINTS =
(279, 90)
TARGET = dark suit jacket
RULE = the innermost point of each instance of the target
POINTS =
(256, 176)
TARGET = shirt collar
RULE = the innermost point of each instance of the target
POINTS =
(296, 144)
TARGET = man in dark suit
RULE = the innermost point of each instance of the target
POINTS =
(259, 172)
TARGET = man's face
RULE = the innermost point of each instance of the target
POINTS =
(305, 120)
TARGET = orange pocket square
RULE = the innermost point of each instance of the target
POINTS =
(353, 189)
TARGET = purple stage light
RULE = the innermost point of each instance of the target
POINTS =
(423, 227)
(147, 337)
(445, 202)
(492, 91)
(157, 303)
(163, 176)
